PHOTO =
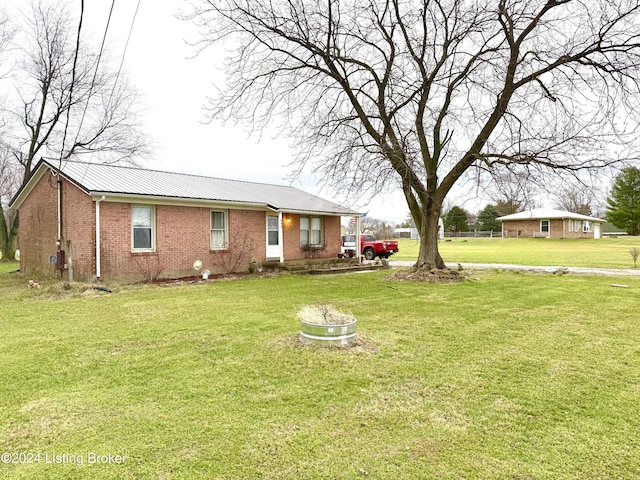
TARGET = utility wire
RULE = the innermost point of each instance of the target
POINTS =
(124, 53)
(73, 81)
(95, 73)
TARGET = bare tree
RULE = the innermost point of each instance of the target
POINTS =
(70, 105)
(6, 34)
(422, 93)
(8, 172)
(512, 191)
(68, 102)
(10, 179)
(377, 227)
(576, 198)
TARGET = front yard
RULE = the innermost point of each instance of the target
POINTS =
(601, 253)
(505, 376)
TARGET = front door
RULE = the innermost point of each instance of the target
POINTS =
(273, 236)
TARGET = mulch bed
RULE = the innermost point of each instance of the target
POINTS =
(433, 275)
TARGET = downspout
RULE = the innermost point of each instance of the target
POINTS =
(59, 243)
(98, 237)
(60, 260)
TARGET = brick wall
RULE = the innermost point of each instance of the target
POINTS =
(38, 228)
(78, 231)
(183, 235)
(331, 232)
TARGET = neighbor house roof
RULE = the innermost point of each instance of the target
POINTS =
(547, 214)
(153, 185)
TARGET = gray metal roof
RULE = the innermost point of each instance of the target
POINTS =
(113, 179)
(547, 214)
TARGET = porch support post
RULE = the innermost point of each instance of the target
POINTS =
(358, 250)
(280, 237)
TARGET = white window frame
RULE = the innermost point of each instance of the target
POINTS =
(152, 210)
(225, 230)
(310, 230)
(542, 230)
(586, 226)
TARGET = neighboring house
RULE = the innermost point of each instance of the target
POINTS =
(115, 221)
(548, 223)
(402, 233)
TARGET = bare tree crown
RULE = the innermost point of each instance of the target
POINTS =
(418, 92)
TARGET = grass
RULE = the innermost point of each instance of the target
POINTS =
(601, 253)
(6, 267)
(508, 376)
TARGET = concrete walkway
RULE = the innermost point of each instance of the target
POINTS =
(610, 272)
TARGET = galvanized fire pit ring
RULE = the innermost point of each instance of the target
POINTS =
(327, 335)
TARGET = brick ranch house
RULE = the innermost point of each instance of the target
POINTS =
(548, 223)
(104, 221)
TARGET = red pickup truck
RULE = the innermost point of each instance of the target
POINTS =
(369, 246)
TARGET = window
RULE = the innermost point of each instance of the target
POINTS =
(219, 231)
(544, 226)
(143, 228)
(586, 226)
(310, 231)
(273, 233)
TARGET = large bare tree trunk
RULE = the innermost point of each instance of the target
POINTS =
(429, 256)
(8, 234)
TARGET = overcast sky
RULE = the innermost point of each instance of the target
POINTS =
(175, 85)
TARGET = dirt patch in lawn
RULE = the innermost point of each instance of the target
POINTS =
(433, 275)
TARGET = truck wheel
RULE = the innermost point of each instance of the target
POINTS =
(369, 254)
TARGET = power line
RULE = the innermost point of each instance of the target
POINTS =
(95, 73)
(124, 53)
(73, 81)
(121, 62)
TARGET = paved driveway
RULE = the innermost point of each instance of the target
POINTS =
(612, 272)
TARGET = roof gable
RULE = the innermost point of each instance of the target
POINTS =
(104, 179)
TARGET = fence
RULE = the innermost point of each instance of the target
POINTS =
(489, 234)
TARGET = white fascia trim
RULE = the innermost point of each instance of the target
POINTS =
(178, 202)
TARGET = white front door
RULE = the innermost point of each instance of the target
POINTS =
(596, 230)
(273, 236)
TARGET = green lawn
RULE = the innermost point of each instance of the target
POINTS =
(6, 267)
(603, 253)
(507, 376)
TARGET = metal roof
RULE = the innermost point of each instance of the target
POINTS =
(547, 214)
(107, 179)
